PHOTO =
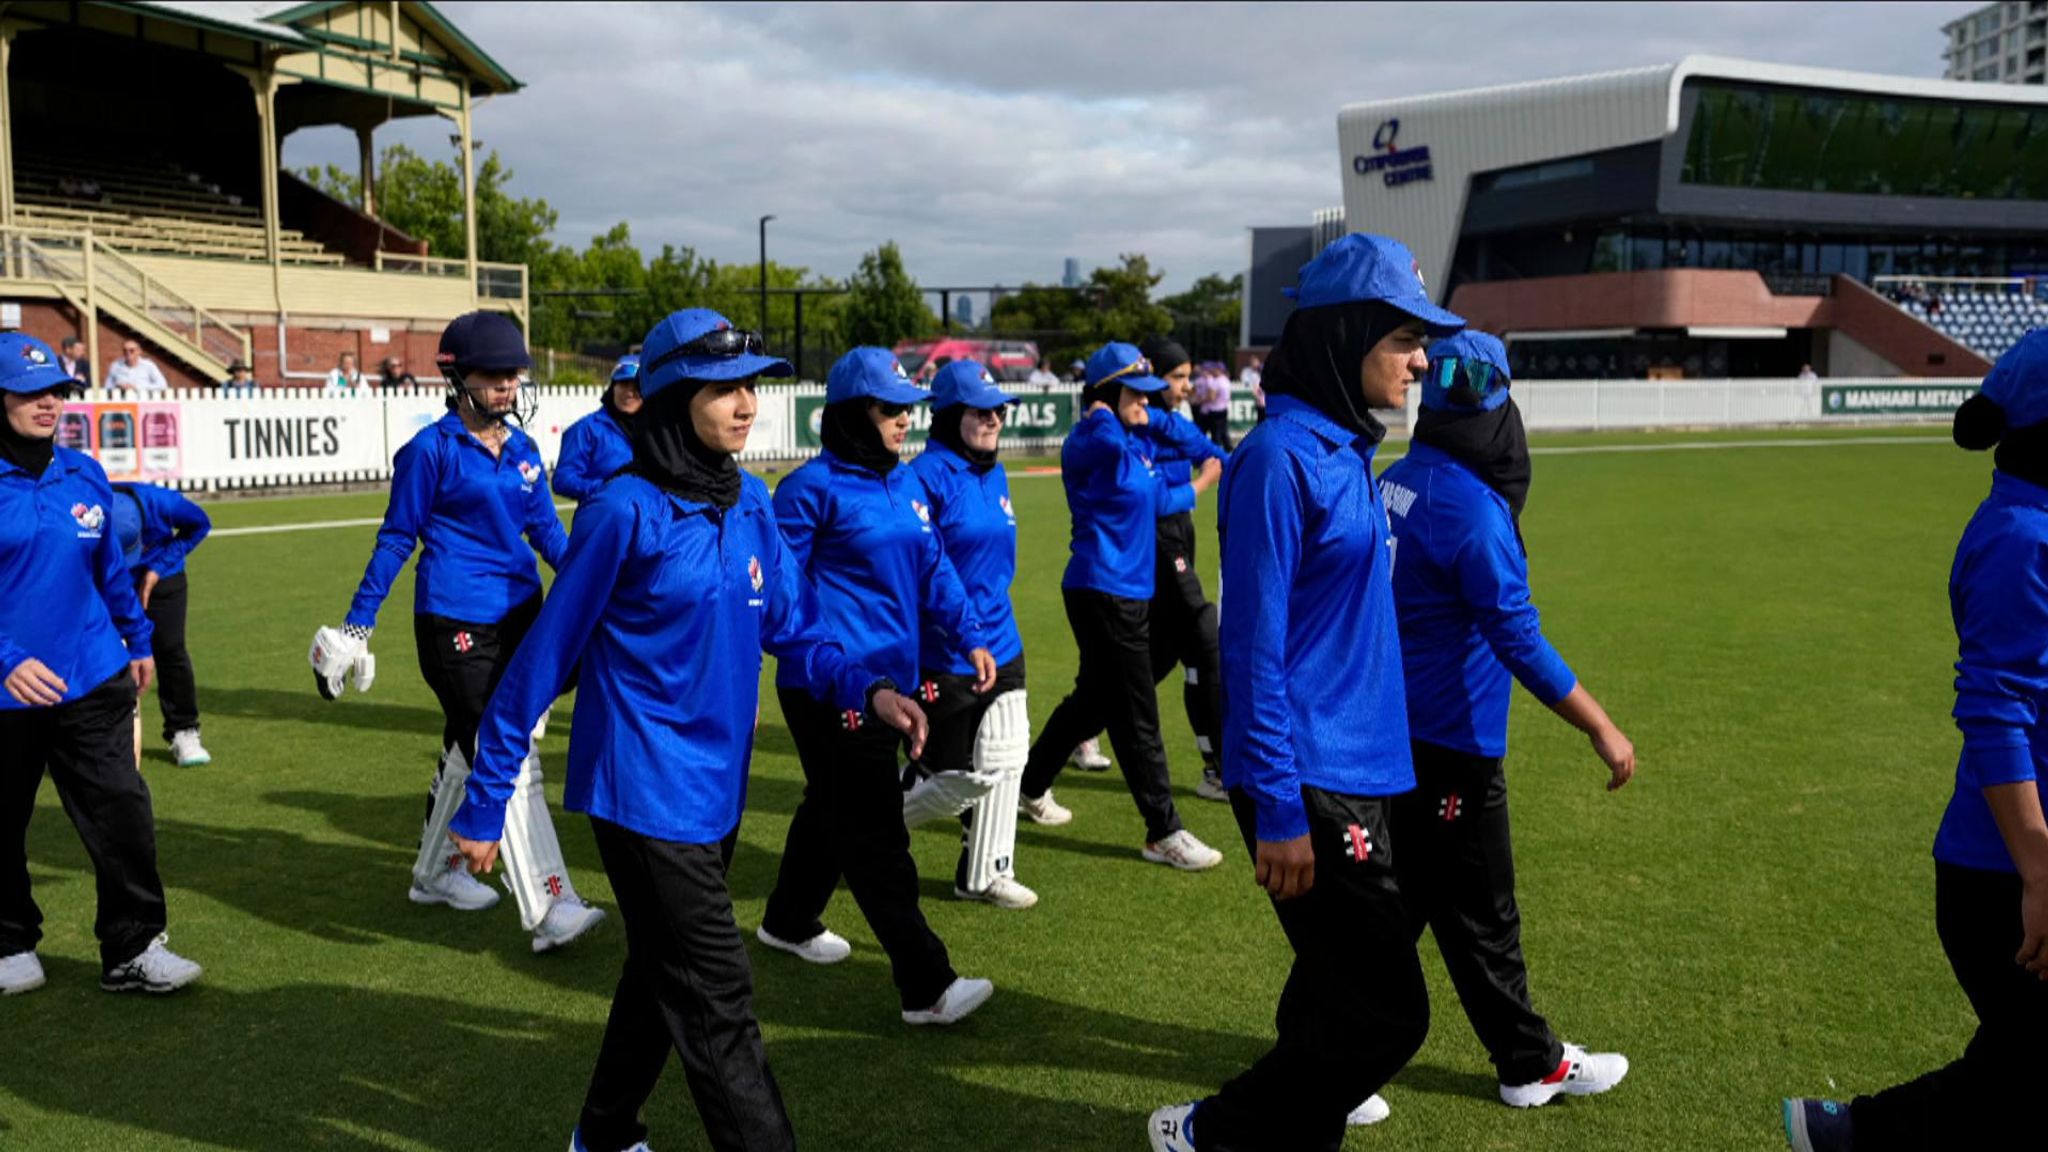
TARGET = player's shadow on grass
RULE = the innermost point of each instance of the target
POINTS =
(306, 707)
(1436, 1080)
(329, 1066)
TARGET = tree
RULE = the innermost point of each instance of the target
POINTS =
(423, 199)
(1205, 317)
(882, 304)
(1124, 307)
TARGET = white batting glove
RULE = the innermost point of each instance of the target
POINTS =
(337, 651)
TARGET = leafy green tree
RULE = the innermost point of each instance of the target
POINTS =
(1205, 317)
(423, 199)
(1124, 308)
(882, 303)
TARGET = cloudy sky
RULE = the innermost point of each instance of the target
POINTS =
(992, 141)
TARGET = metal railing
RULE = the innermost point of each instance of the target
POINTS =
(500, 281)
(407, 264)
(80, 262)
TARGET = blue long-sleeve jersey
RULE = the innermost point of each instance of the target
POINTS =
(978, 529)
(594, 449)
(866, 542)
(1461, 588)
(668, 605)
(172, 526)
(1114, 494)
(1312, 688)
(1998, 593)
(66, 598)
(468, 509)
(1178, 447)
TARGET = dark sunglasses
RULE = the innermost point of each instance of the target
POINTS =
(725, 342)
(890, 410)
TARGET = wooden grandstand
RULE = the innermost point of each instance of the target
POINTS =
(143, 197)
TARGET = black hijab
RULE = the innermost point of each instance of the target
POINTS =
(1317, 360)
(32, 454)
(851, 434)
(2022, 452)
(946, 429)
(1492, 444)
(668, 453)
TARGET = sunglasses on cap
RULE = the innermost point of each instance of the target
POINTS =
(1467, 382)
(723, 342)
(1139, 367)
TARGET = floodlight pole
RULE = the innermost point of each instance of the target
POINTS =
(764, 275)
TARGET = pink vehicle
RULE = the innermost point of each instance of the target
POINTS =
(1009, 361)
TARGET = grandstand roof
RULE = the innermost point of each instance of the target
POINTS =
(298, 26)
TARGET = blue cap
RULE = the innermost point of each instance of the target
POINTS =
(27, 365)
(967, 382)
(1124, 364)
(1473, 358)
(663, 360)
(127, 517)
(1362, 267)
(873, 373)
(626, 370)
(482, 342)
(2018, 383)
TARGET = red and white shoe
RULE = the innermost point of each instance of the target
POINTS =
(1580, 1073)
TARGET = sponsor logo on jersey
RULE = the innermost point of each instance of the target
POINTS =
(529, 474)
(754, 574)
(923, 510)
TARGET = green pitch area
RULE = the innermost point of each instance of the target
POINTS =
(1752, 917)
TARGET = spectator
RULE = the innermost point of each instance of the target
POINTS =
(345, 380)
(1043, 374)
(1250, 377)
(1212, 404)
(71, 359)
(135, 372)
(1807, 374)
(1077, 372)
(240, 382)
(394, 375)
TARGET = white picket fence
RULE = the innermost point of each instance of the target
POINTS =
(209, 440)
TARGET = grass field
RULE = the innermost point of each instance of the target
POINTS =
(1753, 916)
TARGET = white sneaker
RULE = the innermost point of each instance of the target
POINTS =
(827, 947)
(1211, 787)
(1183, 851)
(1003, 892)
(19, 973)
(961, 997)
(1372, 1111)
(456, 888)
(1580, 1073)
(565, 922)
(157, 969)
(576, 1144)
(1044, 810)
(190, 753)
(1170, 1129)
(1089, 758)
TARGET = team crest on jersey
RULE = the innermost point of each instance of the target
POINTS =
(90, 518)
(754, 575)
(464, 642)
(1007, 510)
(529, 472)
(923, 510)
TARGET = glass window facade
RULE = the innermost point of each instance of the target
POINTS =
(1785, 139)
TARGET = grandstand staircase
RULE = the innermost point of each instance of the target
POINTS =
(97, 279)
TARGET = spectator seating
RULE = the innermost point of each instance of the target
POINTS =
(1986, 322)
(154, 208)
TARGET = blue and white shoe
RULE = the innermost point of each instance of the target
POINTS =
(1816, 1125)
(576, 1144)
(1172, 1128)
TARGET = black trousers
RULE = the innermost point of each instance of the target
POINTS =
(87, 747)
(953, 711)
(1216, 426)
(1457, 875)
(1988, 1098)
(686, 986)
(1113, 690)
(462, 662)
(177, 689)
(1184, 634)
(1355, 1008)
(850, 822)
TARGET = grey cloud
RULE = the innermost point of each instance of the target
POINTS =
(993, 140)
